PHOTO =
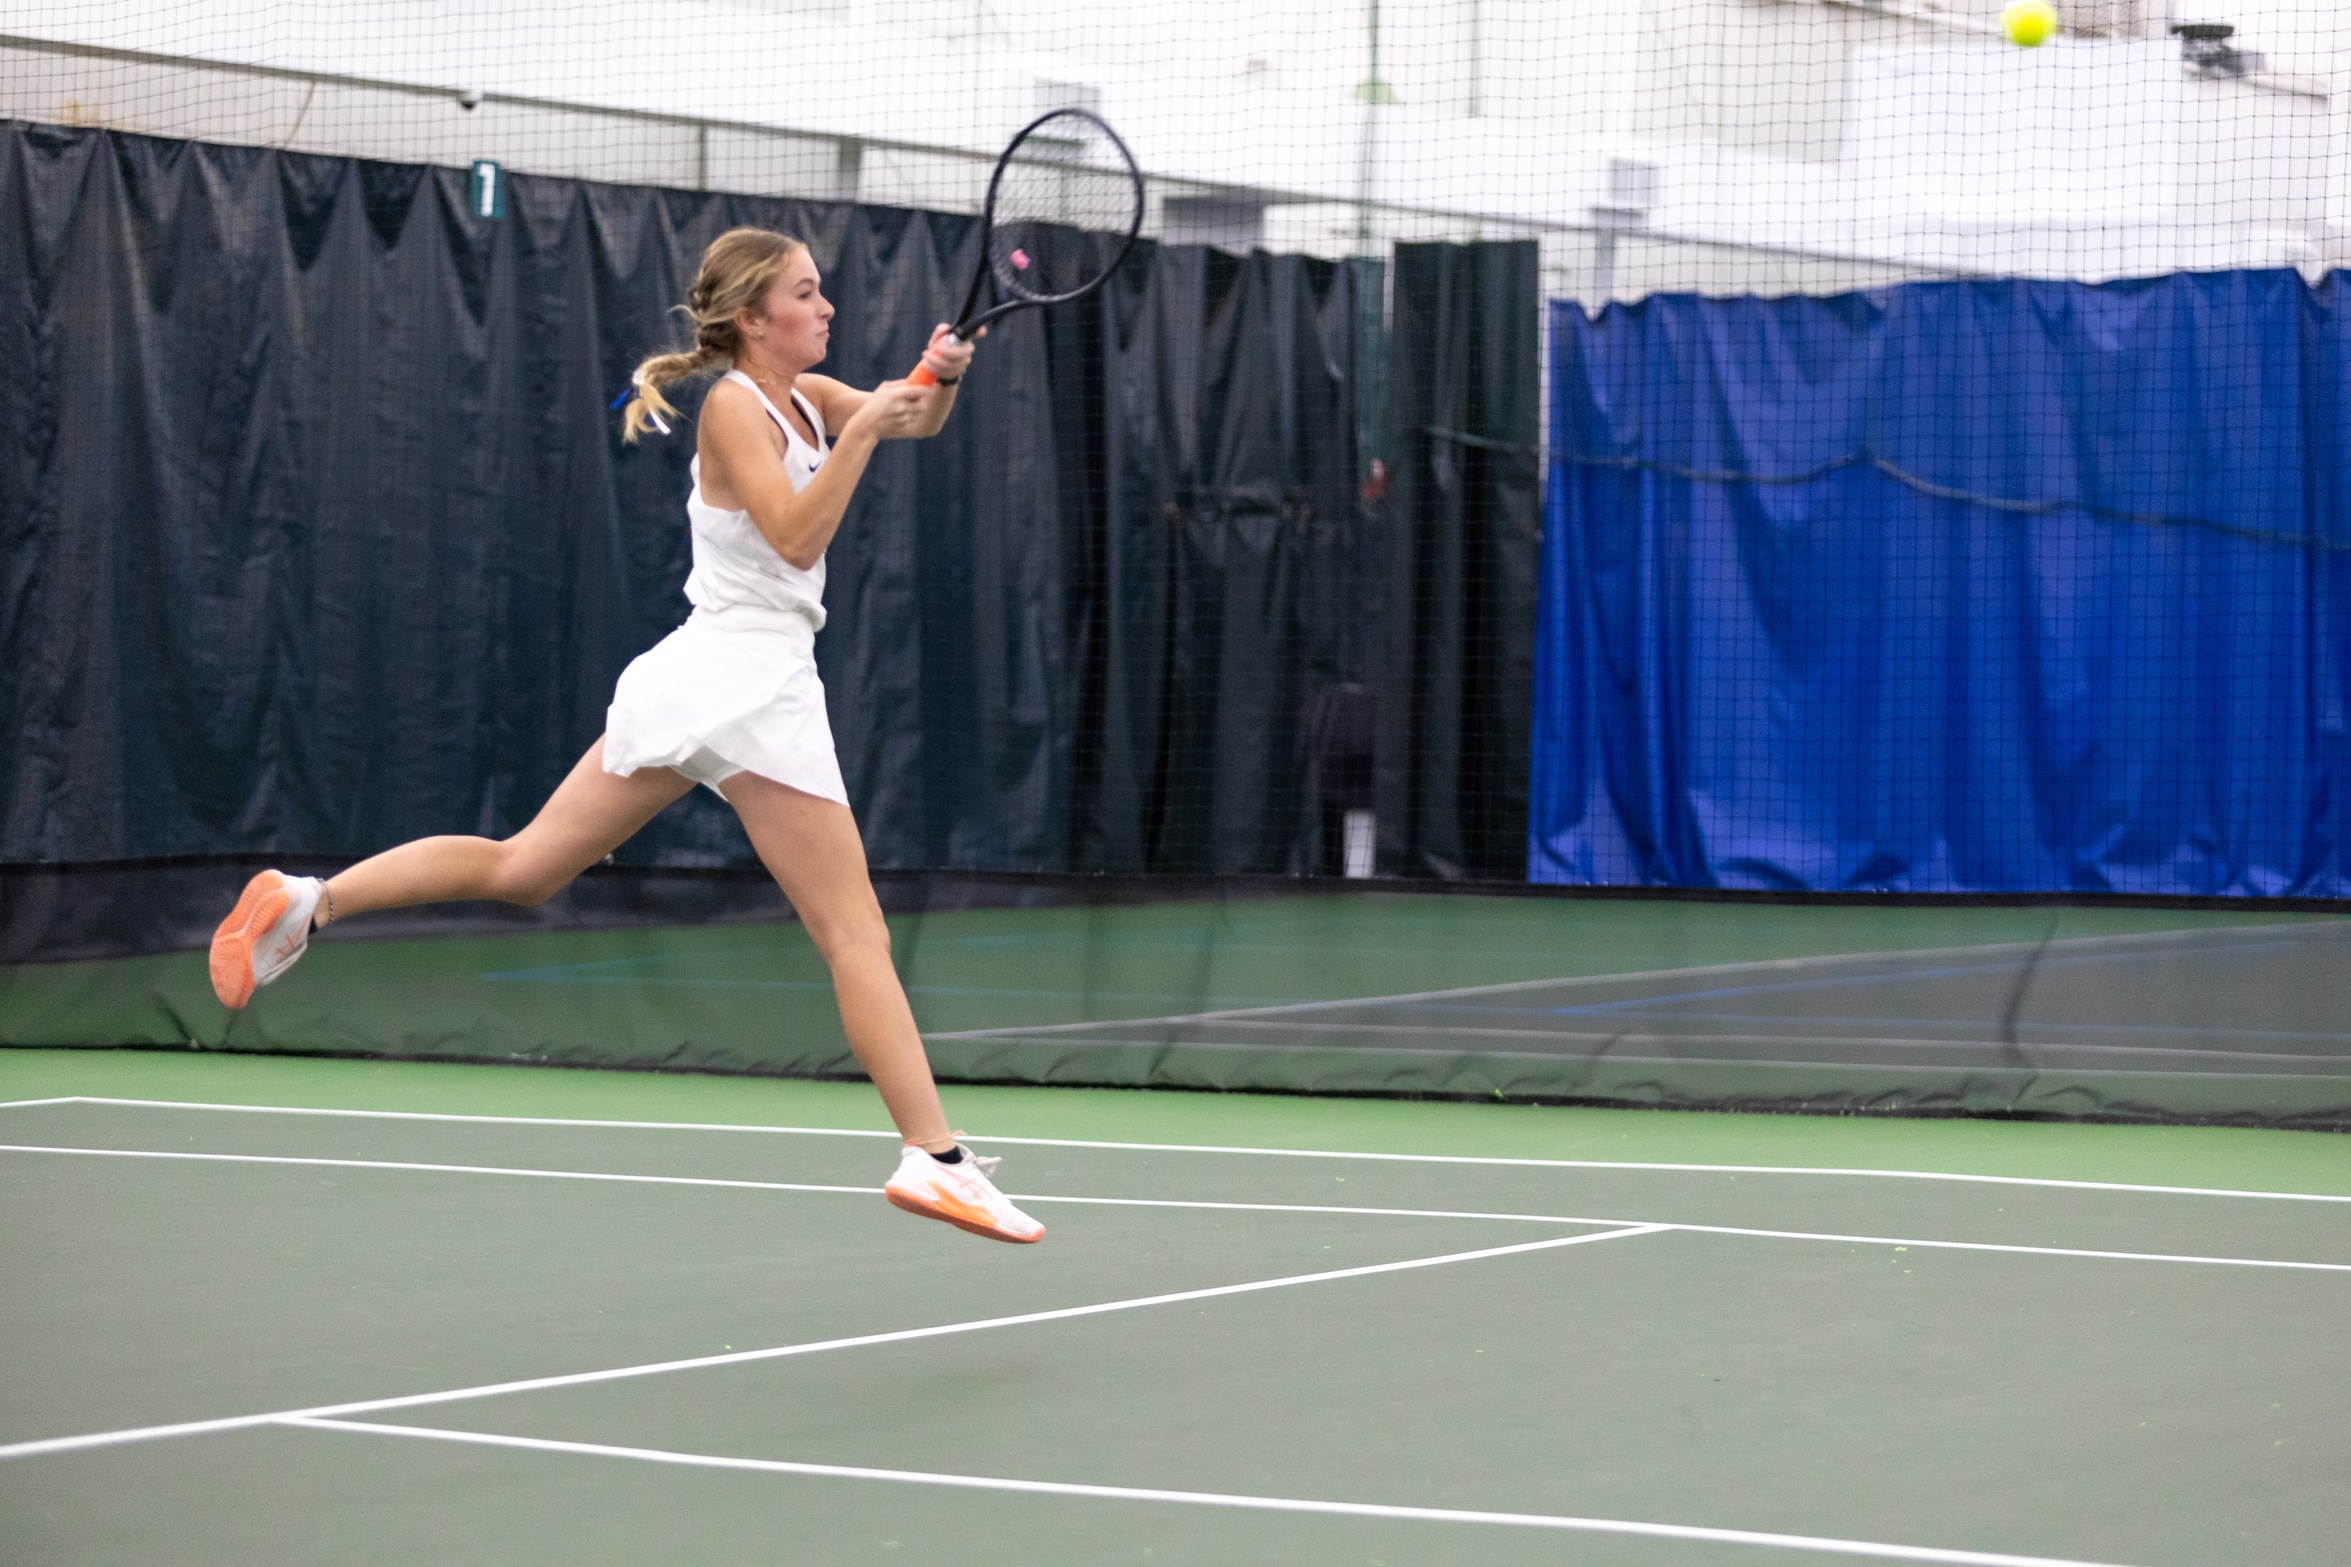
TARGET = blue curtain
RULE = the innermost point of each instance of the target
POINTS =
(1955, 587)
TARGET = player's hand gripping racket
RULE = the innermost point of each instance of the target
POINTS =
(1065, 170)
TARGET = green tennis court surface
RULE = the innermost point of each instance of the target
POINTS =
(1798, 1339)
(2110, 1011)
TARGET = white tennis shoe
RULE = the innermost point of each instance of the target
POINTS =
(263, 935)
(961, 1194)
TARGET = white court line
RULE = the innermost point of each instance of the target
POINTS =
(1226, 1207)
(1698, 1169)
(441, 1169)
(1896, 1241)
(1469, 1053)
(1267, 1504)
(1588, 981)
(26, 1104)
(1221, 1148)
(70, 1444)
(2035, 1251)
(1637, 1036)
(478, 1120)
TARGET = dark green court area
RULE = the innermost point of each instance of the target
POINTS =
(2108, 1011)
(311, 1311)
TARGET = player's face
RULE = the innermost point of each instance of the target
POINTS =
(797, 315)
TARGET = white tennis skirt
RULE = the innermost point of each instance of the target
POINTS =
(731, 691)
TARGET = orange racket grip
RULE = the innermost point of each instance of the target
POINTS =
(921, 374)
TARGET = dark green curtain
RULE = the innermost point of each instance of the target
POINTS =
(1462, 539)
(319, 535)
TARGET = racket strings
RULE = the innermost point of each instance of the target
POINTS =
(1057, 185)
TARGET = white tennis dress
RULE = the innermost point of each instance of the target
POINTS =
(735, 688)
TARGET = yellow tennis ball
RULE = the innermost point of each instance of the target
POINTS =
(2029, 23)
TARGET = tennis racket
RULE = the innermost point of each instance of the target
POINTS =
(1065, 170)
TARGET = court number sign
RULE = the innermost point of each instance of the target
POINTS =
(488, 189)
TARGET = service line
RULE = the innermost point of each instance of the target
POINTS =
(71, 1444)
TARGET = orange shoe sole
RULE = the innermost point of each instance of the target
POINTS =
(949, 1211)
(261, 905)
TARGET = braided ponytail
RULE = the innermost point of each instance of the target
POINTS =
(737, 271)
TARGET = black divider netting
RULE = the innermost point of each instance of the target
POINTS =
(2197, 1010)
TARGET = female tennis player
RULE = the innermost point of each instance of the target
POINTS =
(730, 700)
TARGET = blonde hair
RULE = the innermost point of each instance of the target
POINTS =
(737, 271)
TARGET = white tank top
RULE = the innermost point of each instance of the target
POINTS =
(734, 565)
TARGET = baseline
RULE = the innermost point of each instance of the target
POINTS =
(479, 1120)
(69, 1444)
(438, 1169)
(1228, 1207)
(1277, 1504)
(1232, 1148)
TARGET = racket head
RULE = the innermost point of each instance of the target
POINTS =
(1065, 170)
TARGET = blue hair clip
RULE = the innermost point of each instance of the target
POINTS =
(633, 389)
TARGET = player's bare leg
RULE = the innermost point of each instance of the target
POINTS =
(590, 814)
(812, 848)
